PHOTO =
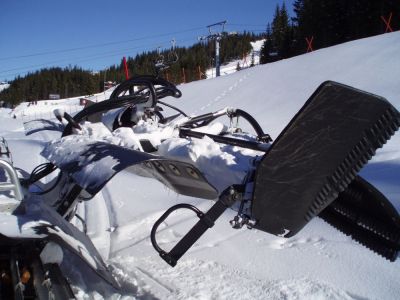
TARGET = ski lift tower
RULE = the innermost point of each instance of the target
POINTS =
(216, 36)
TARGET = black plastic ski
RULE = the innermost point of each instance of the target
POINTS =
(318, 154)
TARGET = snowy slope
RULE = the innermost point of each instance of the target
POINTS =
(4, 85)
(318, 263)
(244, 62)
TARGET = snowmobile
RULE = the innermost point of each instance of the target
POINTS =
(310, 170)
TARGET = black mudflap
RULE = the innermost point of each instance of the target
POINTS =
(318, 154)
(365, 214)
(38, 125)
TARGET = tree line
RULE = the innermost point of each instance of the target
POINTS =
(328, 23)
(66, 82)
(74, 81)
(190, 59)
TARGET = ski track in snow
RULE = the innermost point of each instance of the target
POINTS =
(133, 233)
(211, 280)
(226, 92)
(316, 243)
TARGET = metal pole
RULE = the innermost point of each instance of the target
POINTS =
(104, 82)
(183, 75)
(217, 37)
(217, 65)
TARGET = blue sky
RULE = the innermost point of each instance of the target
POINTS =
(95, 34)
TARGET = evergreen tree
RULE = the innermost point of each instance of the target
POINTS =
(268, 51)
(67, 82)
(281, 31)
(279, 36)
(334, 22)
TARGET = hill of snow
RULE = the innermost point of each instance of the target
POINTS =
(243, 63)
(4, 85)
(318, 263)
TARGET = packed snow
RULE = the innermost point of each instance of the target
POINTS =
(318, 263)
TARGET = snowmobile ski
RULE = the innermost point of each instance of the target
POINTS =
(96, 162)
(318, 154)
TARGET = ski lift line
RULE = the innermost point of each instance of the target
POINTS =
(248, 31)
(54, 62)
(246, 25)
(84, 58)
(5, 72)
(63, 60)
(100, 45)
(222, 23)
(89, 58)
(258, 30)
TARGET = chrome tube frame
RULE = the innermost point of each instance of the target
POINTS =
(14, 185)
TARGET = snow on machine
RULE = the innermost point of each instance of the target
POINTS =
(275, 186)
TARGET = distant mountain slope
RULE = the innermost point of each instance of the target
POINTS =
(4, 85)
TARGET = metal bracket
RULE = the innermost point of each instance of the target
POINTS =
(226, 199)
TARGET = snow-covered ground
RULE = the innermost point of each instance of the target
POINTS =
(43, 109)
(318, 263)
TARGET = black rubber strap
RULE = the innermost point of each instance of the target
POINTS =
(184, 132)
(68, 200)
(205, 222)
(226, 199)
